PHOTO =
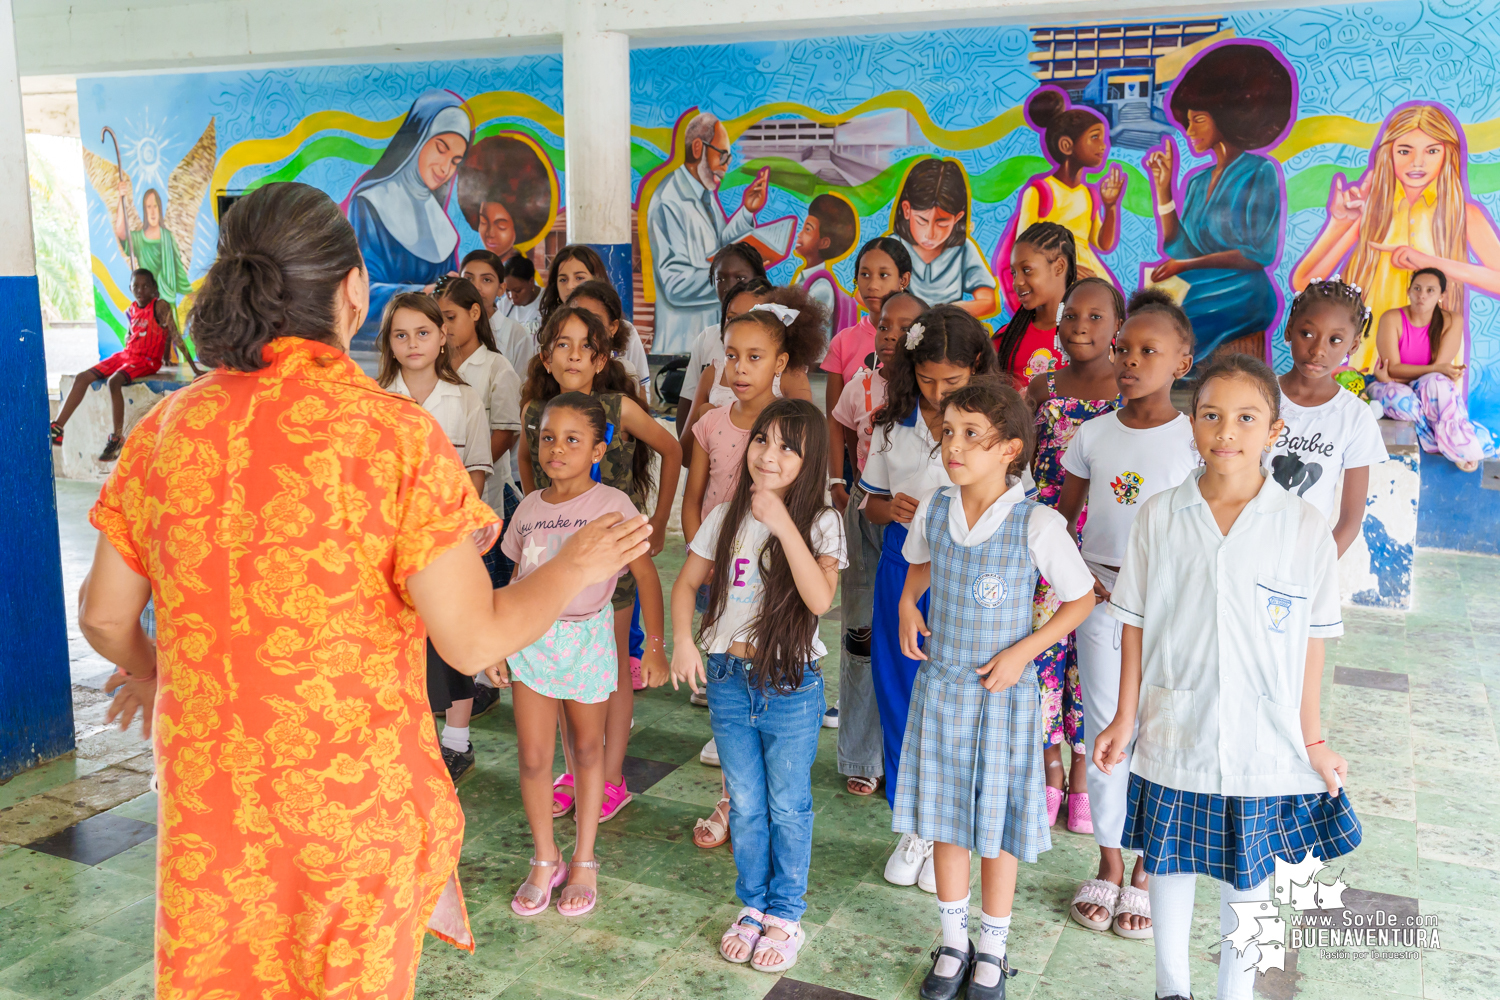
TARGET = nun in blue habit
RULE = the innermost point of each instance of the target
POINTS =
(399, 209)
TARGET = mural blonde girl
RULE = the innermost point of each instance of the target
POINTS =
(1410, 211)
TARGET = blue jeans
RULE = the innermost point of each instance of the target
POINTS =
(767, 744)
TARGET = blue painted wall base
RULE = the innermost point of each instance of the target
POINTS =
(1455, 512)
(617, 263)
(36, 704)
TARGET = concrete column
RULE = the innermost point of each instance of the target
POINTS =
(36, 706)
(596, 122)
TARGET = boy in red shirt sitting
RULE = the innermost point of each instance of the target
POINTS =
(153, 331)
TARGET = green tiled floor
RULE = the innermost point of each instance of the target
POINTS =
(1422, 777)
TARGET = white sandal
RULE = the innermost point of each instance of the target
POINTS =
(1135, 902)
(1098, 892)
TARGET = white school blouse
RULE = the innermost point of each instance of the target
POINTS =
(904, 459)
(459, 411)
(1048, 542)
(499, 387)
(1225, 622)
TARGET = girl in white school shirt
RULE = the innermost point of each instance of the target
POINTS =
(416, 361)
(940, 352)
(1117, 461)
(1230, 585)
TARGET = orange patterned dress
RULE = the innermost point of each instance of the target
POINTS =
(308, 832)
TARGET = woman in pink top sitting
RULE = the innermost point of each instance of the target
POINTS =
(1417, 374)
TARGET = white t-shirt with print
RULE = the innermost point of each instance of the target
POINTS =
(743, 573)
(1319, 442)
(1125, 467)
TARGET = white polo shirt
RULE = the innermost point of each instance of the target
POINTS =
(904, 459)
(459, 411)
(499, 387)
(1225, 621)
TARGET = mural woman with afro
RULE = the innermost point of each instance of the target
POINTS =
(1221, 227)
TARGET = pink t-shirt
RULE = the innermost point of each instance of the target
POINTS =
(539, 529)
(850, 349)
(862, 396)
(725, 444)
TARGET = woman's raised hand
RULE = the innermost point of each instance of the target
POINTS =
(605, 546)
(1162, 163)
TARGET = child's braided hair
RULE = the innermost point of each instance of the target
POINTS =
(1338, 292)
(1051, 240)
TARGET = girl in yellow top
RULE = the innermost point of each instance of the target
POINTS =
(1076, 140)
(1409, 211)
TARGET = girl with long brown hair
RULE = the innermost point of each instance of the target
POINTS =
(775, 551)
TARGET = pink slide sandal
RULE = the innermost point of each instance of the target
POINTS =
(562, 796)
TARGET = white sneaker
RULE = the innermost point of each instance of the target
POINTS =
(831, 718)
(907, 860)
(699, 698)
(927, 881)
(709, 754)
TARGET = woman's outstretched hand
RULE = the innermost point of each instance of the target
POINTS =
(605, 545)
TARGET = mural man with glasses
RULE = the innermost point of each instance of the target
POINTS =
(687, 226)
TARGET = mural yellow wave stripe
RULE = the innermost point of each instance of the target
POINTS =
(1318, 130)
(101, 274)
(253, 152)
(513, 104)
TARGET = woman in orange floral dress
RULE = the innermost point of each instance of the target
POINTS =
(299, 527)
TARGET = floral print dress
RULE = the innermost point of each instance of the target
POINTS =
(1057, 419)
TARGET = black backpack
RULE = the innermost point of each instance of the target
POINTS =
(668, 380)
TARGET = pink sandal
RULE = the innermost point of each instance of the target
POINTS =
(528, 900)
(616, 797)
(746, 932)
(562, 796)
(786, 949)
(637, 678)
(1080, 817)
(571, 892)
(1054, 803)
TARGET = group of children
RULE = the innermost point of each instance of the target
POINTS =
(1159, 570)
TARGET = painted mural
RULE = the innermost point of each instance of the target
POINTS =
(428, 160)
(1228, 159)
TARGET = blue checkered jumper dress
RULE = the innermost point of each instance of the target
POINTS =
(971, 773)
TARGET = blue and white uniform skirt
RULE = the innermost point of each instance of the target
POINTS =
(969, 766)
(1234, 839)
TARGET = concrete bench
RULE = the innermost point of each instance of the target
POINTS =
(89, 427)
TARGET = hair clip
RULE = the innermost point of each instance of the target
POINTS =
(914, 336)
(784, 313)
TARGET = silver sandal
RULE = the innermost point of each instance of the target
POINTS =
(579, 892)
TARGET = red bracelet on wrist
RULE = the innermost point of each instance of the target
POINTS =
(1317, 744)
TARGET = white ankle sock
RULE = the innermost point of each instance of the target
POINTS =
(992, 934)
(954, 917)
(455, 738)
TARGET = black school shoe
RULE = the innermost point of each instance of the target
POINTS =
(485, 698)
(996, 992)
(936, 987)
(460, 765)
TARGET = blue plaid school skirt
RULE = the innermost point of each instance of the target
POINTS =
(971, 773)
(1232, 838)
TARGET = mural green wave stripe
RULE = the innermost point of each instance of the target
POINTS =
(105, 312)
(337, 146)
(994, 185)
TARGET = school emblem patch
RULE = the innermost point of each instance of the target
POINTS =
(1127, 487)
(989, 591)
(1277, 608)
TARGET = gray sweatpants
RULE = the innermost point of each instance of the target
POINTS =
(860, 746)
